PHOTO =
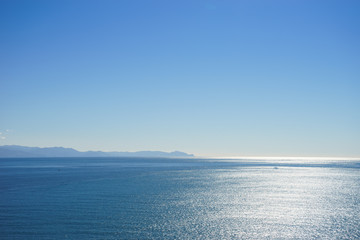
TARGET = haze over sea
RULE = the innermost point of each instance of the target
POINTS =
(159, 198)
(109, 87)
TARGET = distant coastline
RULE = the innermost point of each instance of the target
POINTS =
(15, 151)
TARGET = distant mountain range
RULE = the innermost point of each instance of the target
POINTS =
(12, 151)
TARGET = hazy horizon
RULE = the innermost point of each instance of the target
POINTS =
(210, 78)
(288, 157)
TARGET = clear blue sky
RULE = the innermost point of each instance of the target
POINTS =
(213, 78)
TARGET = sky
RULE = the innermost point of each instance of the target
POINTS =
(212, 78)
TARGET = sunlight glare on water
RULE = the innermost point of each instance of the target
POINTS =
(267, 202)
(178, 199)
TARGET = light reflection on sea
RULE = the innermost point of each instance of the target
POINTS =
(179, 199)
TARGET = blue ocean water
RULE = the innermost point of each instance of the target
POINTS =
(148, 198)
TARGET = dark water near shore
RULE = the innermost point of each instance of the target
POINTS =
(136, 198)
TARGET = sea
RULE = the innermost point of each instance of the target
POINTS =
(159, 198)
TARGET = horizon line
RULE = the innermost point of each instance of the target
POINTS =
(211, 157)
(282, 157)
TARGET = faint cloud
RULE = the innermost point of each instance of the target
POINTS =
(4, 133)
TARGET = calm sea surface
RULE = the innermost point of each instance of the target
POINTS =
(137, 198)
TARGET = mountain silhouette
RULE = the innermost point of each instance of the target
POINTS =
(13, 151)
